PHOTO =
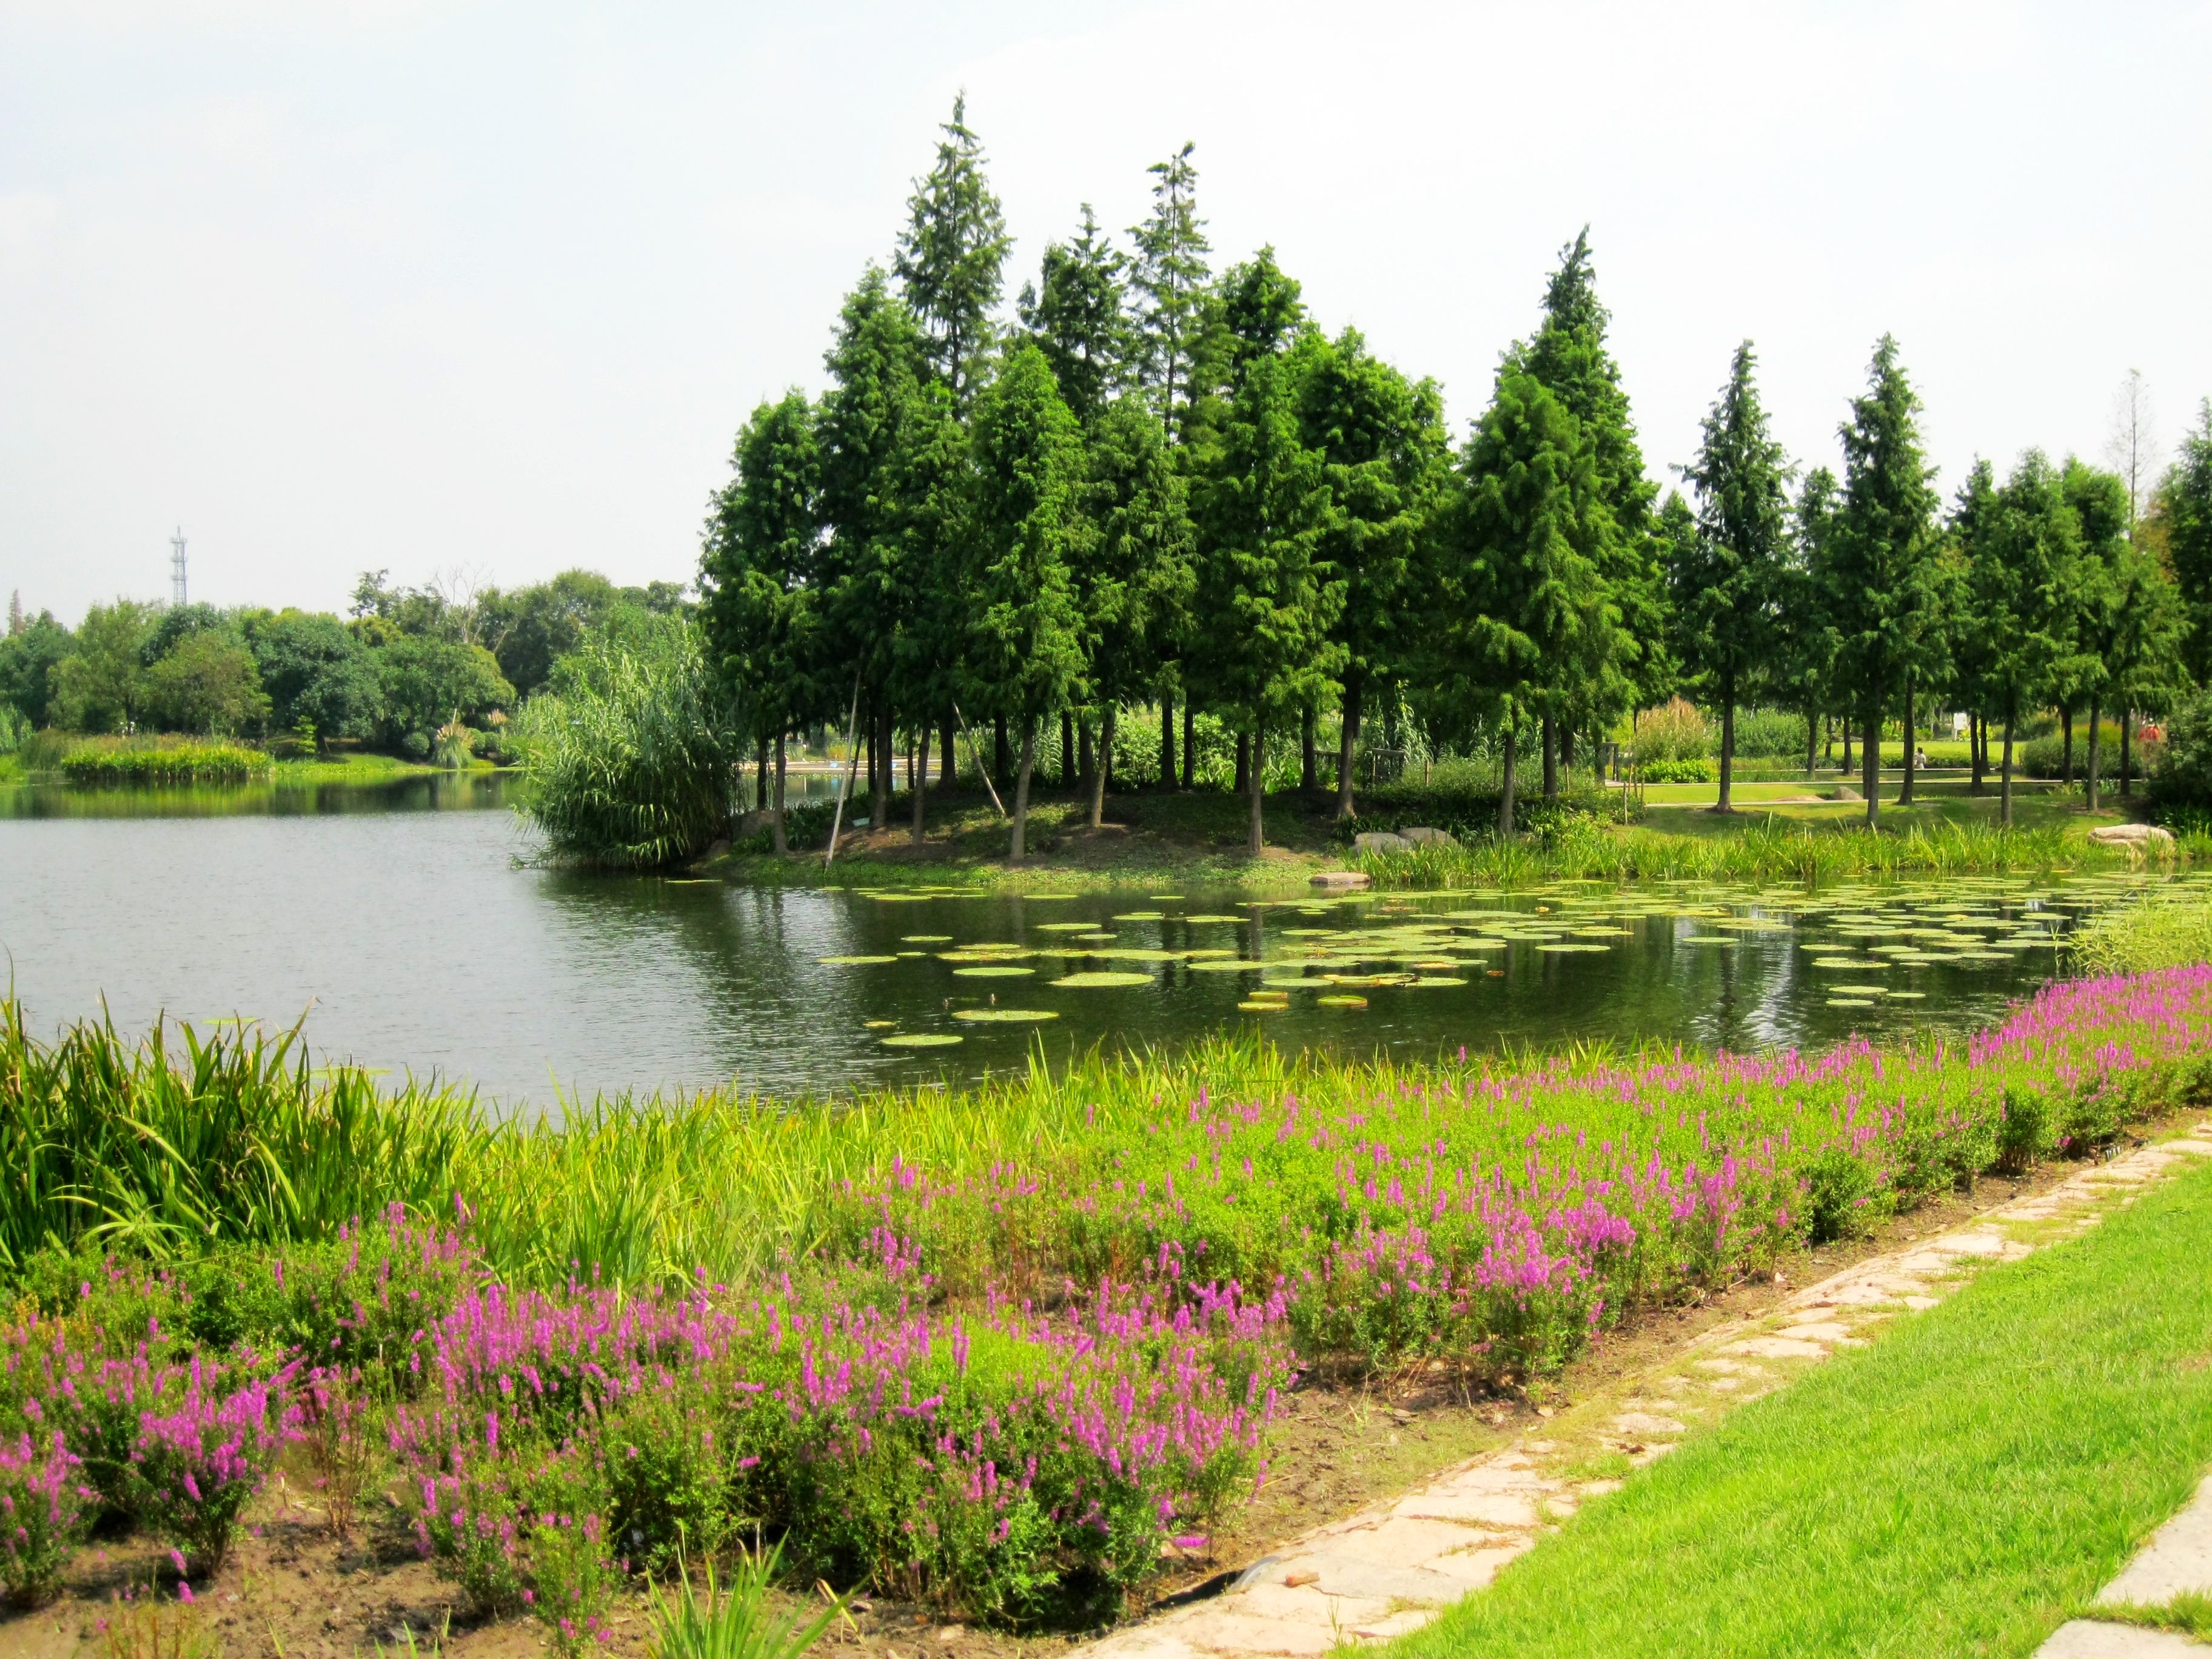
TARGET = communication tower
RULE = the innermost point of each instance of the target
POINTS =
(177, 568)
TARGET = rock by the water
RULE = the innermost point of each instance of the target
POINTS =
(2131, 834)
(1339, 878)
(1845, 792)
(1380, 840)
(1422, 835)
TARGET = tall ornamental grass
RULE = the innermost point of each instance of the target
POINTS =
(630, 760)
(2159, 927)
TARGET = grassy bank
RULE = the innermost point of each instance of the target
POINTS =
(994, 1348)
(1958, 1489)
(294, 770)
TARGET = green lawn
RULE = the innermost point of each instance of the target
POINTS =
(1957, 1488)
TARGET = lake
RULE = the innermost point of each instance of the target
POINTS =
(404, 922)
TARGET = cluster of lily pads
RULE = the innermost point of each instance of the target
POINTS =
(1340, 948)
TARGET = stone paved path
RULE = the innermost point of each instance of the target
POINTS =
(2177, 1560)
(1392, 1567)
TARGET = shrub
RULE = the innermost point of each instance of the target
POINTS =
(203, 1450)
(1681, 771)
(1675, 731)
(1767, 734)
(43, 1513)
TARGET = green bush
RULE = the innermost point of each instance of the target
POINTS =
(2181, 776)
(108, 765)
(1768, 734)
(1681, 771)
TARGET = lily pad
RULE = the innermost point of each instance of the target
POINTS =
(1065, 927)
(1564, 950)
(922, 1040)
(853, 962)
(993, 971)
(1340, 1001)
(1005, 1015)
(1214, 918)
(925, 938)
(1102, 981)
(1141, 915)
(1434, 980)
(1241, 965)
(1264, 1007)
(879, 1025)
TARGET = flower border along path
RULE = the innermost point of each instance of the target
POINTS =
(1392, 1567)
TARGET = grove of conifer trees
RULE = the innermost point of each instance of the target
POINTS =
(1162, 488)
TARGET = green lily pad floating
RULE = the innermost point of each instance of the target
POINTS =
(1065, 927)
(925, 938)
(1264, 1007)
(1241, 965)
(1847, 964)
(1907, 996)
(1340, 1001)
(1860, 990)
(1557, 949)
(1006, 1015)
(996, 971)
(922, 1040)
(853, 962)
(1141, 915)
(1434, 980)
(903, 898)
(1214, 918)
(1100, 981)
(1851, 1002)
(879, 1025)
(1725, 944)
(1164, 898)
(1051, 896)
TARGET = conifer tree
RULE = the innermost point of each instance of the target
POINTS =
(1027, 534)
(1883, 592)
(2020, 544)
(1385, 457)
(2182, 521)
(1726, 579)
(757, 571)
(951, 257)
(1170, 276)
(1805, 651)
(1077, 312)
(1628, 666)
(1270, 600)
(1522, 612)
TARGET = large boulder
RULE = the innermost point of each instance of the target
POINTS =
(1340, 878)
(1380, 840)
(2131, 834)
(1422, 835)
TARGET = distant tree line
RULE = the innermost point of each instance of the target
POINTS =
(1159, 487)
(404, 664)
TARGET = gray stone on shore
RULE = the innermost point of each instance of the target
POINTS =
(1340, 878)
(1422, 834)
(2131, 834)
(1380, 840)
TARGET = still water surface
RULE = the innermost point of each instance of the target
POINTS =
(405, 921)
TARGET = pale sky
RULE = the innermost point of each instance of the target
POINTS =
(430, 286)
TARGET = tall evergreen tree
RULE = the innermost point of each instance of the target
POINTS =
(1726, 581)
(2182, 525)
(2105, 583)
(1628, 666)
(1520, 612)
(2020, 544)
(1077, 312)
(1170, 276)
(1805, 647)
(1262, 509)
(757, 571)
(1385, 457)
(1883, 592)
(951, 256)
(1026, 537)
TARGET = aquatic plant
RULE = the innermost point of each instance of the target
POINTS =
(96, 764)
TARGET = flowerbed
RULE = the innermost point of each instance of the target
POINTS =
(1007, 1389)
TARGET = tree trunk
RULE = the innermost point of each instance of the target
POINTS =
(1243, 762)
(1309, 761)
(2089, 766)
(1978, 749)
(1566, 753)
(1505, 792)
(948, 767)
(760, 776)
(1846, 767)
(879, 810)
(1726, 802)
(2127, 732)
(1086, 755)
(1020, 851)
(1098, 772)
(1066, 748)
(1189, 745)
(776, 813)
(1870, 762)
(1167, 741)
(1551, 760)
(1258, 838)
(2004, 784)
(2066, 765)
(1002, 752)
(922, 784)
(1904, 794)
(1345, 743)
(1812, 737)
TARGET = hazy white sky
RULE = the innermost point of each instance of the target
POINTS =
(414, 284)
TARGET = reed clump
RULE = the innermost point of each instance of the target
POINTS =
(99, 764)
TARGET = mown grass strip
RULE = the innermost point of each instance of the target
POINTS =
(1957, 1488)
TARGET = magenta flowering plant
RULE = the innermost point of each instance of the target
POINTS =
(204, 1449)
(44, 1510)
